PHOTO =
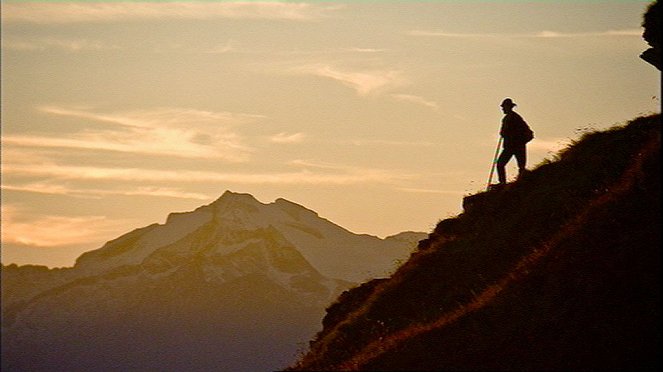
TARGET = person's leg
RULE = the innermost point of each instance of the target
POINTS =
(521, 157)
(504, 158)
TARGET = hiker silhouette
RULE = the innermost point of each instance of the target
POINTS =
(515, 134)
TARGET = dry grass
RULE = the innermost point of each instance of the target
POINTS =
(470, 261)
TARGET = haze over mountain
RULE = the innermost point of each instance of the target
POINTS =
(234, 285)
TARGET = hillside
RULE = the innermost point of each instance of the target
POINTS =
(560, 271)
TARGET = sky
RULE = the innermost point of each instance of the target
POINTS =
(378, 115)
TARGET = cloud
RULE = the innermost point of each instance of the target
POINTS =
(159, 143)
(416, 100)
(340, 175)
(381, 142)
(366, 50)
(430, 191)
(78, 12)
(68, 45)
(51, 188)
(229, 46)
(155, 118)
(52, 231)
(451, 34)
(363, 82)
(174, 132)
(608, 33)
(548, 145)
(541, 34)
(318, 165)
(287, 137)
(352, 172)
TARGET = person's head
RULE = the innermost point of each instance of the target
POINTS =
(507, 105)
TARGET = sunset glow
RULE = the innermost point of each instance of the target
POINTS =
(378, 115)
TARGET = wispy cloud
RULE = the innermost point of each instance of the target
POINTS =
(365, 50)
(53, 188)
(229, 46)
(334, 175)
(416, 100)
(353, 172)
(430, 191)
(77, 12)
(364, 82)
(383, 142)
(541, 34)
(288, 137)
(155, 118)
(166, 143)
(165, 132)
(320, 165)
(548, 145)
(52, 231)
(608, 33)
(68, 45)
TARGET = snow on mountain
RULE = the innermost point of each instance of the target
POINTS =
(334, 251)
(235, 285)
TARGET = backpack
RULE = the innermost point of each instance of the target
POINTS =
(517, 131)
(528, 134)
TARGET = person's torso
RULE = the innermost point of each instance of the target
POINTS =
(513, 127)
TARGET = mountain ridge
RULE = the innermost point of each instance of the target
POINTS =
(300, 225)
(208, 288)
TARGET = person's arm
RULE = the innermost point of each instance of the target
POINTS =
(503, 127)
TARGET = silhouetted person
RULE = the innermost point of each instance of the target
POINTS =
(515, 134)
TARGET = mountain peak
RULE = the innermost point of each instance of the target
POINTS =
(272, 268)
(331, 249)
(231, 202)
(230, 196)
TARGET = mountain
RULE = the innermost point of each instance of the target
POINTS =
(557, 271)
(234, 285)
(331, 249)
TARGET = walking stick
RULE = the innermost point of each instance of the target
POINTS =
(492, 168)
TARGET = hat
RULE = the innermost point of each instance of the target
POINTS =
(507, 103)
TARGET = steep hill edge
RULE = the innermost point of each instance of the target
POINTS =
(437, 311)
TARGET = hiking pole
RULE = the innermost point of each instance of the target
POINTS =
(492, 167)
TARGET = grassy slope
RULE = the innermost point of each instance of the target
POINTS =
(560, 271)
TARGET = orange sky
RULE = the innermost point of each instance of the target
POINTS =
(379, 115)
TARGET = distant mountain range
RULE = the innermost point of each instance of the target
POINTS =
(236, 285)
